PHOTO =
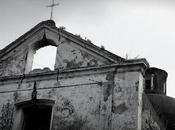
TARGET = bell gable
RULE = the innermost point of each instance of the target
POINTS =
(72, 50)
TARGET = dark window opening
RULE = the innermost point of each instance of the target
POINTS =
(37, 118)
(148, 84)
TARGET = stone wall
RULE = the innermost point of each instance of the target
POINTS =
(76, 56)
(77, 100)
(20, 61)
(13, 64)
(90, 100)
(150, 119)
(90, 87)
(125, 101)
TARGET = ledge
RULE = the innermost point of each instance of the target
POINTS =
(75, 72)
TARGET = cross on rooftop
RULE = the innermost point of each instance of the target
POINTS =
(52, 6)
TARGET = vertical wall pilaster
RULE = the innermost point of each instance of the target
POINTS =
(106, 102)
(140, 102)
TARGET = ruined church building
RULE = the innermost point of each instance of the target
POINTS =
(90, 88)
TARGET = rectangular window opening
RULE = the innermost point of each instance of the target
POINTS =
(37, 118)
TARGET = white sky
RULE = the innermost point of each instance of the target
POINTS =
(136, 27)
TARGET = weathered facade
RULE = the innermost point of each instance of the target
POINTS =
(89, 89)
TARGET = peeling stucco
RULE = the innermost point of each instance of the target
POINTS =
(14, 65)
(6, 117)
(119, 109)
(88, 88)
(124, 107)
(109, 104)
(75, 57)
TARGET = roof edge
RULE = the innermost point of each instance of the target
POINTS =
(48, 23)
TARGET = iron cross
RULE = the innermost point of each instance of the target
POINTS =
(52, 6)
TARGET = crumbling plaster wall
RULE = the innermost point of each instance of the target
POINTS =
(150, 119)
(104, 101)
(125, 101)
(76, 105)
(69, 55)
(92, 99)
(14, 57)
(13, 63)
(6, 112)
(76, 56)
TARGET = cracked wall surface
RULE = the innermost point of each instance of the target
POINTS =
(105, 101)
(14, 64)
(90, 88)
(20, 60)
(125, 100)
(75, 56)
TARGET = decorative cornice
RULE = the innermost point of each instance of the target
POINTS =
(76, 72)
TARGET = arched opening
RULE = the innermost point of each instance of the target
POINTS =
(44, 58)
(36, 116)
(41, 54)
(155, 81)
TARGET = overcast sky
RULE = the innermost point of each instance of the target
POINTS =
(144, 28)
